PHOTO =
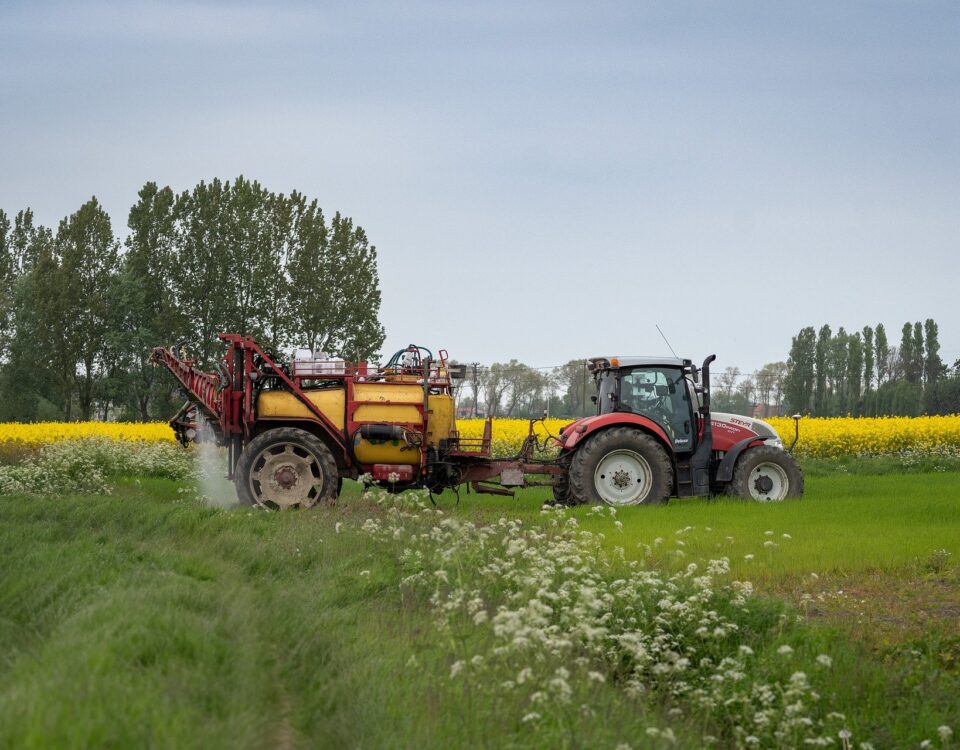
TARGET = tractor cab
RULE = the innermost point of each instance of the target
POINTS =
(662, 389)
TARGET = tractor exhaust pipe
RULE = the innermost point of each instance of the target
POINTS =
(706, 382)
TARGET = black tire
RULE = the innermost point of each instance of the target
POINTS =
(286, 467)
(633, 457)
(561, 487)
(766, 474)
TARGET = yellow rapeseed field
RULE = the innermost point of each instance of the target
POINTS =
(820, 438)
(508, 434)
(852, 436)
(42, 433)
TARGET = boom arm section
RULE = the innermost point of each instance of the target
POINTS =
(202, 388)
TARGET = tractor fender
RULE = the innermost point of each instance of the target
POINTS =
(575, 433)
(729, 460)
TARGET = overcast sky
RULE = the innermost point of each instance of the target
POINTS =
(543, 181)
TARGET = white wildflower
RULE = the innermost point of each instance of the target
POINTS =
(456, 668)
(748, 557)
(785, 650)
(337, 527)
(945, 732)
(824, 661)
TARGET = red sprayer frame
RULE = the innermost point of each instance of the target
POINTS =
(227, 401)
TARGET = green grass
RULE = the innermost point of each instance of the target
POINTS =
(844, 524)
(147, 619)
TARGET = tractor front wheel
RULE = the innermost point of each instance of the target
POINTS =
(286, 467)
(767, 475)
(621, 466)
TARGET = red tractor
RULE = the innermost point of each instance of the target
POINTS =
(294, 431)
(654, 437)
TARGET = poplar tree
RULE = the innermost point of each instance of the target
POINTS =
(867, 359)
(798, 383)
(933, 368)
(8, 276)
(821, 395)
(907, 358)
(883, 354)
(854, 372)
(917, 350)
(838, 357)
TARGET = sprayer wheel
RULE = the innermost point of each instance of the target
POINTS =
(286, 468)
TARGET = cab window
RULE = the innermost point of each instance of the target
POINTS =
(661, 394)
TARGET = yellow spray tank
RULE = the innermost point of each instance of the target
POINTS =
(393, 400)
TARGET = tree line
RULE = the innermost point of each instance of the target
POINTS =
(861, 374)
(80, 309)
(515, 389)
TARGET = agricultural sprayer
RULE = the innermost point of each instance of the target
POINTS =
(294, 431)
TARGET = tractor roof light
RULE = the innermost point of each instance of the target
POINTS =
(614, 362)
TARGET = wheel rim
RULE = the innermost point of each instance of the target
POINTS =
(285, 475)
(623, 477)
(768, 483)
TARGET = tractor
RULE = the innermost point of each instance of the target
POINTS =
(294, 430)
(655, 437)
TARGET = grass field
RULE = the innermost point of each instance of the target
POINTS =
(149, 618)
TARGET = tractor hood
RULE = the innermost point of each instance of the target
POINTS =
(732, 428)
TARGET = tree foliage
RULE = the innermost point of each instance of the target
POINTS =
(860, 374)
(79, 311)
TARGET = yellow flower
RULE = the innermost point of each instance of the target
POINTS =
(819, 437)
(42, 433)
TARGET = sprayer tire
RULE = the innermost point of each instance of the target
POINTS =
(632, 457)
(286, 467)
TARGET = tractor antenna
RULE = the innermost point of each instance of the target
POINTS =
(665, 340)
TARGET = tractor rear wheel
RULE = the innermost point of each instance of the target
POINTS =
(767, 475)
(561, 487)
(621, 466)
(286, 467)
